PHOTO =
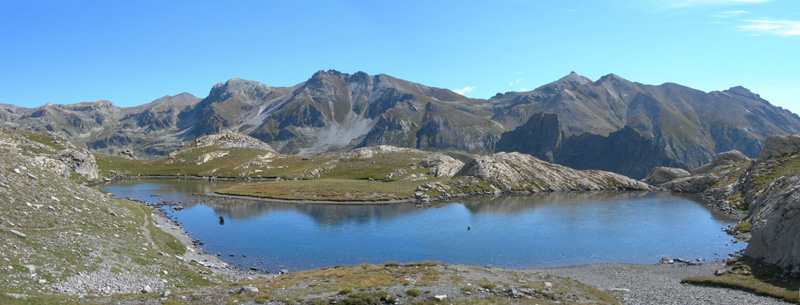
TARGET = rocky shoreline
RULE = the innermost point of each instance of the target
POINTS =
(628, 283)
(196, 256)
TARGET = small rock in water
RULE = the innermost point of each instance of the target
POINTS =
(248, 289)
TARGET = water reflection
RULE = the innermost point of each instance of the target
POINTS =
(511, 231)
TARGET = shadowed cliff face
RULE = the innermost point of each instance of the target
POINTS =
(625, 151)
(687, 126)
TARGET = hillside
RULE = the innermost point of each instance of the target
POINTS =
(674, 125)
(61, 237)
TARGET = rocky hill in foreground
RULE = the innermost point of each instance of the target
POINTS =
(765, 187)
(61, 237)
(610, 124)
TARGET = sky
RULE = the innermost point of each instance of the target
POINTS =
(133, 52)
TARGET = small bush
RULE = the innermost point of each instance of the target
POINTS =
(744, 227)
(413, 292)
(345, 291)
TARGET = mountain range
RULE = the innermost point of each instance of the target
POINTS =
(610, 124)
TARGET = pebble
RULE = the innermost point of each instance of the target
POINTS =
(248, 289)
(17, 233)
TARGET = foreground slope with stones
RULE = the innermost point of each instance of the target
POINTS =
(62, 237)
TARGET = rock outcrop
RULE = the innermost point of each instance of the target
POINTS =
(226, 140)
(692, 184)
(767, 187)
(722, 160)
(661, 175)
(779, 146)
(126, 154)
(776, 224)
(511, 172)
(81, 162)
(440, 165)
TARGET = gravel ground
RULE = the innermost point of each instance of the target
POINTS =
(657, 284)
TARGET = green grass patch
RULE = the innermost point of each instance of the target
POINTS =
(784, 166)
(754, 276)
(327, 190)
(744, 227)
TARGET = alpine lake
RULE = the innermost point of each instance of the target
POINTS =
(532, 231)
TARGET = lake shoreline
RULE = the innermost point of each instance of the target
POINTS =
(628, 283)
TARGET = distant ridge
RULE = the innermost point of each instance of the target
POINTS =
(611, 124)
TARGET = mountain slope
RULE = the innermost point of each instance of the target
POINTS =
(621, 121)
(688, 127)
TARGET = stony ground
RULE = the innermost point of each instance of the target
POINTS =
(658, 284)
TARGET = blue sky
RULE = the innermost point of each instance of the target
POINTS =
(133, 52)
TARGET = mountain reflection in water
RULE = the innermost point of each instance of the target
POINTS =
(543, 230)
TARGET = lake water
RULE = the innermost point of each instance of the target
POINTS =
(534, 231)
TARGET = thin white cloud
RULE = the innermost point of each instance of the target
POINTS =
(464, 90)
(690, 3)
(514, 82)
(731, 14)
(773, 27)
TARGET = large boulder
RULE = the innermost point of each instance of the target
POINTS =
(722, 160)
(81, 162)
(661, 175)
(776, 224)
(692, 184)
(779, 146)
(126, 154)
(440, 165)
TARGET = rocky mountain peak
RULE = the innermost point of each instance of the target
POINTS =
(239, 87)
(742, 91)
(610, 79)
(575, 79)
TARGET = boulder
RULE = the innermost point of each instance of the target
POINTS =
(779, 146)
(81, 162)
(691, 184)
(248, 289)
(126, 154)
(722, 160)
(440, 165)
(661, 175)
(775, 218)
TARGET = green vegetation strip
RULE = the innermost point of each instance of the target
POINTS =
(327, 190)
(751, 275)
